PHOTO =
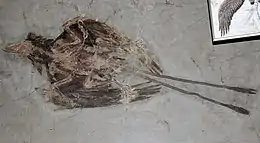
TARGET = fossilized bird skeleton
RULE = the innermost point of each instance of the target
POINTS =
(89, 64)
(226, 12)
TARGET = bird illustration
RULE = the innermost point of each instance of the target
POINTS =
(226, 12)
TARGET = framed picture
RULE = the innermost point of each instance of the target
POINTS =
(234, 20)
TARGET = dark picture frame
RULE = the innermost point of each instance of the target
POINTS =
(215, 11)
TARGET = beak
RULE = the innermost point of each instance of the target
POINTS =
(12, 48)
(19, 48)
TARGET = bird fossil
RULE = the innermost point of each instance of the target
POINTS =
(226, 12)
(91, 65)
